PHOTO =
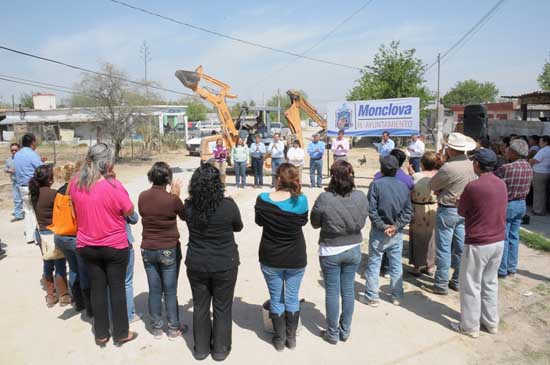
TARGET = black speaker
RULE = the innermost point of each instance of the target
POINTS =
(475, 121)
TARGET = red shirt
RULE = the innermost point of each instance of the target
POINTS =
(517, 176)
(483, 206)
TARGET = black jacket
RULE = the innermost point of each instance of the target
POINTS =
(282, 244)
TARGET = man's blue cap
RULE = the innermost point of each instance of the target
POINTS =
(486, 157)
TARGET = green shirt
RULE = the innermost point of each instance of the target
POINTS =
(239, 154)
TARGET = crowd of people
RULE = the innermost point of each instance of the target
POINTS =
(463, 207)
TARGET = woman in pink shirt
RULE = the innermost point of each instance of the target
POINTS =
(101, 204)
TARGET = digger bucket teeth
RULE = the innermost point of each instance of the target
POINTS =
(189, 79)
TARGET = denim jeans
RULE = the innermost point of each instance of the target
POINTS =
(339, 276)
(514, 214)
(275, 163)
(415, 162)
(284, 288)
(379, 244)
(161, 267)
(17, 201)
(316, 166)
(449, 236)
(129, 284)
(67, 244)
(258, 167)
(240, 173)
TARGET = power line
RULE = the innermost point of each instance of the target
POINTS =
(236, 39)
(470, 33)
(37, 84)
(316, 44)
(91, 71)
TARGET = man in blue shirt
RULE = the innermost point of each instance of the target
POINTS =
(316, 149)
(10, 170)
(25, 162)
(277, 151)
(257, 153)
(385, 146)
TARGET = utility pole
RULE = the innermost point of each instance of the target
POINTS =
(278, 105)
(438, 122)
(145, 54)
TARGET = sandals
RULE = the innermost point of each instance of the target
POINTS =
(102, 342)
(131, 336)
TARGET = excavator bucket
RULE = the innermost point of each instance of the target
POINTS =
(189, 79)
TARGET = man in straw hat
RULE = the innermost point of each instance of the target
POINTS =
(483, 206)
(448, 184)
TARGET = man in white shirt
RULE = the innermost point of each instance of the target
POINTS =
(416, 150)
(296, 156)
(340, 147)
(277, 150)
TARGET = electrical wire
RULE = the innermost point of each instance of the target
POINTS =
(232, 38)
(38, 84)
(315, 45)
(469, 34)
(91, 71)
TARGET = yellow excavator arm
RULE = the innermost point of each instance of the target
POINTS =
(292, 114)
(230, 134)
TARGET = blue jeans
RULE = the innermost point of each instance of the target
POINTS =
(275, 163)
(514, 214)
(316, 166)
(258, 167)
(449, 236)
(161, 267)
(240, 173)
(129, 284)
(67, 244)
(339, 276)
(415, 162)
(17, 202)
(379, 244)
(284, 288)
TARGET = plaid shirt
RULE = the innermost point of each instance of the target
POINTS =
(517, 176)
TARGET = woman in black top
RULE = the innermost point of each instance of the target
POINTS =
(212, 261)
(282, 214)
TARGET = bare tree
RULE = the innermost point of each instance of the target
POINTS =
(109, 94)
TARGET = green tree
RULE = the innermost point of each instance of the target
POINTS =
(196, 110)
(544, 77)
(26, 101)
(470, 92)
(395, 73)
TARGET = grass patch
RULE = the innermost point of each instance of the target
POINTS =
(535, 240)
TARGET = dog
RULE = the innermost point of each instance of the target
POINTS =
(362, 161)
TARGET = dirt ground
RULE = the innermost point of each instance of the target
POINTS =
(415, 333)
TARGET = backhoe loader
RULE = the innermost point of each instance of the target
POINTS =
(292, 115)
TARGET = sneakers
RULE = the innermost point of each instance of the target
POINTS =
(174, 334)
(453, 286)
(325, 336)
(456, 326)
(396, 302)
(491, 330)
(157, 333)
(370, 302)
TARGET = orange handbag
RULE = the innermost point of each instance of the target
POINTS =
(63, 217)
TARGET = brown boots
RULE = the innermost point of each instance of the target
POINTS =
(51, 296)
(59, 294)
(62, 290)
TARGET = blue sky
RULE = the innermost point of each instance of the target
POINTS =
(509, 50)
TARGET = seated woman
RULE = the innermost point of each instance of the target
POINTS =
(160, 247)
(341, 212)
(282, 214)
(42, 199)
(212, 261)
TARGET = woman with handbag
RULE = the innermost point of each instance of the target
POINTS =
(42, 199)
(64, 227)
(101, 204)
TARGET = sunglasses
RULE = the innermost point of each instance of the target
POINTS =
(15, 150)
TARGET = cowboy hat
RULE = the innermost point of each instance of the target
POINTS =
(460, 142)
